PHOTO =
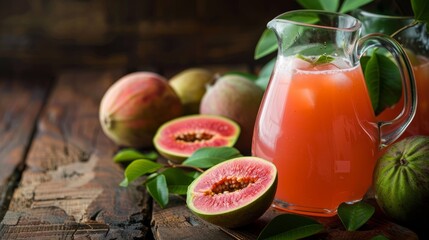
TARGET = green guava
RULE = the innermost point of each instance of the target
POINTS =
(233, 193)
(190, 86)
(401, 181)
(177, 139)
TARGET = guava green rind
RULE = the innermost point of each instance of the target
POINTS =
(401, 181)
(241, 215)
(176, 155)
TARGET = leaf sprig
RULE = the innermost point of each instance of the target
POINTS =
(164, 179)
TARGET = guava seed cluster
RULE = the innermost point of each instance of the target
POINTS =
(194, 136)
(230, 184)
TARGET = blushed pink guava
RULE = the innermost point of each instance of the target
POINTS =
(135, 106)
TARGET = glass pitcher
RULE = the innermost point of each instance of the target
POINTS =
(316, 121)
(415, 41)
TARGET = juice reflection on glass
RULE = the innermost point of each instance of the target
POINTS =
(322, 118)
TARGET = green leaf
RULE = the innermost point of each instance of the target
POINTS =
(363, 62)
(265, 74)
(290, 226)
(193, 174)
(158, 189)
(421, 10)
(139, 168)
(177, 180)
(267, 69)
(353, 216)
(328, 5)
(380, 237)
(322, 59)
(310, 4)
(383, 82)
(178, 189)
(209, 156)
(349, 5)
(267, 44)
(129, 154)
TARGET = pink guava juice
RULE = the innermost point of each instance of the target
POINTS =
(420, 123)
(316, 124)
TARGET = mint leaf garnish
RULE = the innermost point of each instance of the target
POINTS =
(322, 59)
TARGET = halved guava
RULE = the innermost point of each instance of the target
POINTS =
(179, 138)
(233, 193)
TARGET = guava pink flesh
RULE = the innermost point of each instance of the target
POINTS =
(189, 148)
(221, 131)
(227, 201)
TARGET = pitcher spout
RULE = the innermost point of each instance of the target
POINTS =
(331, 34)
(272, 25)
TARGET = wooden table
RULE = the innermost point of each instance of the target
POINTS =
(58, 180)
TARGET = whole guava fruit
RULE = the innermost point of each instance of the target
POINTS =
(135, 106)
(237, 98)
(190, 86)
(233, 193)
(401, 182)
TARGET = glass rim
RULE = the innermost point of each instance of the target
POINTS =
(356, 26)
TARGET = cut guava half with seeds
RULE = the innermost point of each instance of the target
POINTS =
(233, 193)
(179, 138)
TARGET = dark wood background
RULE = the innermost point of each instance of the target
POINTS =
(44, 36)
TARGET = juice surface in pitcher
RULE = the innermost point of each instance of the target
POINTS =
(316, 125)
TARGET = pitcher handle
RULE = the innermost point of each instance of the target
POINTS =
(401, 122)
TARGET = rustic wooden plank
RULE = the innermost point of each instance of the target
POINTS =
(70, 187)
(177, 222)
(21, 101)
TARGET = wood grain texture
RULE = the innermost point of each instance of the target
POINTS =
(20, 103)
(70, 188)
(177, 222)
